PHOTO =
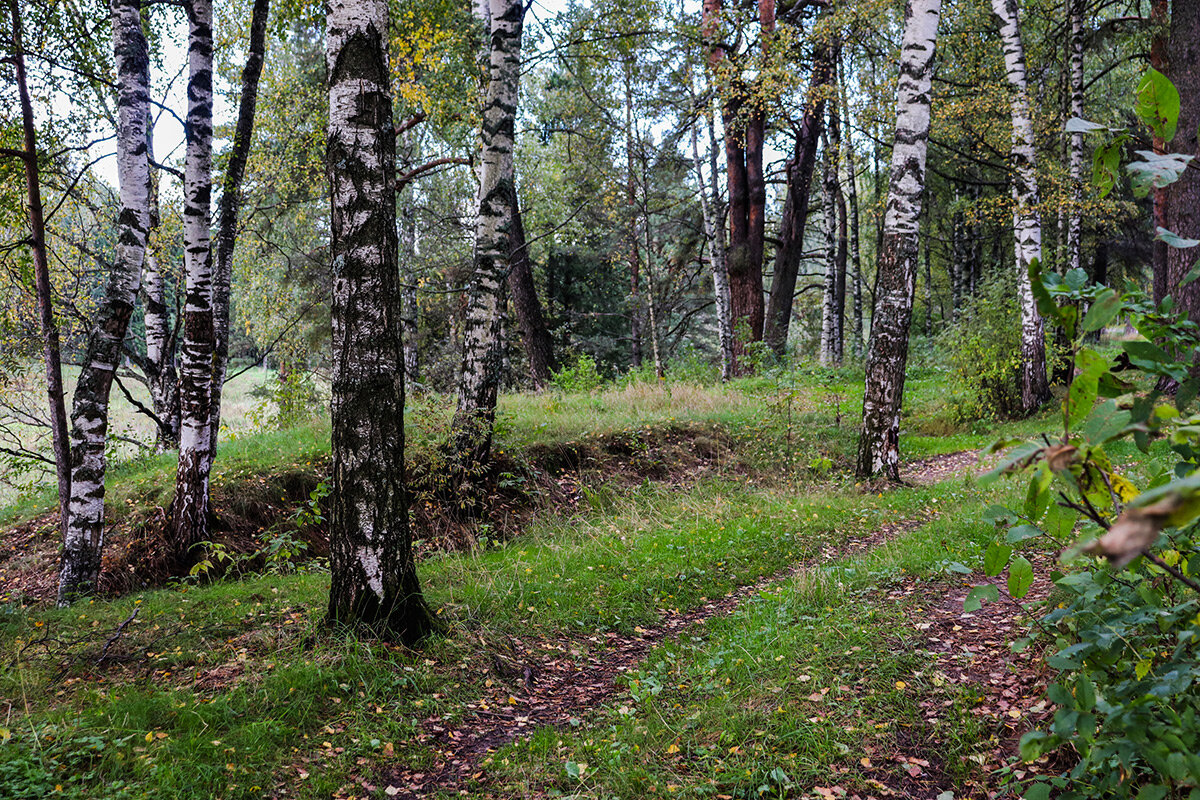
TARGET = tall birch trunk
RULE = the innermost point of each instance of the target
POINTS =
(631, 233)
(196, 350)
(849, 180)
(51, 349)
(713, 228)
(162, 377)
(227, 215)
(827, 354)
(83, 542)
(887, 353)
(373, 581)
(481, 365)
(1075, 162)
(409, 311)
(1027, 227)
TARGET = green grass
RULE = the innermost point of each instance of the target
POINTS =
(234, 689)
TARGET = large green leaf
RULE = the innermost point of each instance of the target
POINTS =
(978, 594)
(1020, 577)
(1158, 104)
(1155, 170)
(996, 559)
(1103, 309)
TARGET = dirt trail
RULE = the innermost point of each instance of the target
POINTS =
(566, 677)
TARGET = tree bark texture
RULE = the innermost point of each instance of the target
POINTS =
(1027, 227)
(530, 318)
(196, 349)
(373, 582)
(887, 352)
(1183, 196)
(51, 349)
(827, 355)
(715, 241)
(481, 365)
(84, 539)
(409, 311)
(227, 214)
(1161, 26)
(161, 374)
(1075, 161)
(631, 233)
(799, 170)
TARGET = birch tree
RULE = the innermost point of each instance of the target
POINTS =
(84, 538)
(1075, 161)
(196, 350)
(1027, 227)
(373, 582)
(887, 351)
(481, 363)
(714, 233)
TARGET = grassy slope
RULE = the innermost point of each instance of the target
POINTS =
(232, 688)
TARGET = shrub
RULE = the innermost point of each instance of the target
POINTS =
(580, 376)
(983, 349)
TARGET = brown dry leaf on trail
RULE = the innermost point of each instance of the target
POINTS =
(1134, 531)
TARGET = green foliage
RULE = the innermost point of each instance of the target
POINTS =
(580, 376)
(287, 401)
(983, 350)
(1126, 643)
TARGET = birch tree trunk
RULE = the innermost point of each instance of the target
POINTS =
(887, 353)
(227, 215)
(51, 349)
(481, 365)
(196, 350)
(849, 180)
(83, 542)
(162, 377)
(373, 581)
(714, 242)
(409, 311)
(827, 354)
(631, 233)
(1027, 227)
(1075, 162)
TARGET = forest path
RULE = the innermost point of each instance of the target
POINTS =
(564, 678)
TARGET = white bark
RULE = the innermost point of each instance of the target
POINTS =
(829, 324)
(196, 351)
(1075, 218)
(716, 255)
(84, 538)
(481, 365)
(1027, 228)
(887, 352)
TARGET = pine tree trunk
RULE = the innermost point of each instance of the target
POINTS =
(1160, 25)
(1183, 196)
(1027, 227)
(799, 171)
(231, 195)
(887, 353)
(196, 351)
(373, 581)
(84, 539)
(481, 365)
(532, 321)
(51, 349)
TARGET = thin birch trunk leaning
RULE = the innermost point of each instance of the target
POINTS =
(928, 291)
(887, 352)
(1075, 221)
(710, 35)
(799, 170)
(827, 354)
(849, 181)
(651, 283)
(83, 541)
(51, 349)
(373, 578)
(196, 350)
(716, 250)
(631, 234)
(162, 378)
(409, 312)
(227, 215)
(481, 365)
(531, 320)
(1027, 227)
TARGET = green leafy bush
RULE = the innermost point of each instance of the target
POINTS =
(1124, 642)
(580, 376)
(983, 349)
